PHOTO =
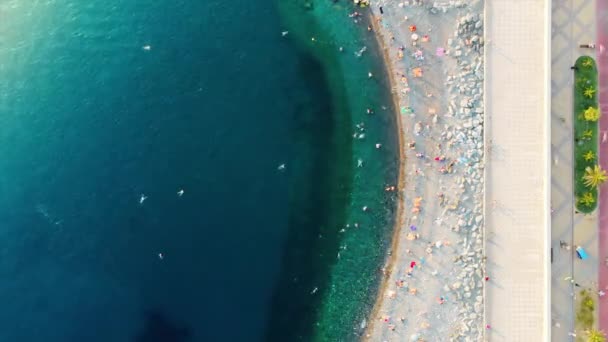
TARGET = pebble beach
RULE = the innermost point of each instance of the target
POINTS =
(434, 276)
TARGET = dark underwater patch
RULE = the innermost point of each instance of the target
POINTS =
(159, 328)
(318, 195)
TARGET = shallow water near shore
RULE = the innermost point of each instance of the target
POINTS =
(103, 102)
(351, 243)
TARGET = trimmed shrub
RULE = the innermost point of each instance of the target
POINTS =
(587, 174)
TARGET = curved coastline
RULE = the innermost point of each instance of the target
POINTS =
(344, 299)
(398, 221)
(306, 257)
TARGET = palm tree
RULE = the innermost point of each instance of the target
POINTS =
(591, 114)
(588, 134)
(589, 156)
(587, 63)
(589, 91)
(594, 177)
(596, 336)
(587, 199)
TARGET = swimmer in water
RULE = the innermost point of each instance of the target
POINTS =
(146, 47)
(161, 256)
(281, 167)
(180, 192)
(284, 33)
(142, 199)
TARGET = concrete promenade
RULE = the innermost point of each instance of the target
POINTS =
(517, 188)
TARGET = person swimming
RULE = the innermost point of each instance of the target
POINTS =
(180, 192)
(281, 167)
(142, 199)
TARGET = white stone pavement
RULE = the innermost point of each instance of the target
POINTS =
(518, 174)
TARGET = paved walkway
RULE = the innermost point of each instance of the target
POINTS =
(572, 23)
(517, 170)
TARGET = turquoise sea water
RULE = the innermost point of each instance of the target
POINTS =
(90, 120)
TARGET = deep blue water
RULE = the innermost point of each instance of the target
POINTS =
(90, 121)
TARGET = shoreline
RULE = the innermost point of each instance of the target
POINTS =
(436, 78)
(338, 294)
(398, 221)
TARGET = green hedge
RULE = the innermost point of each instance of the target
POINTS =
(585, 132)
